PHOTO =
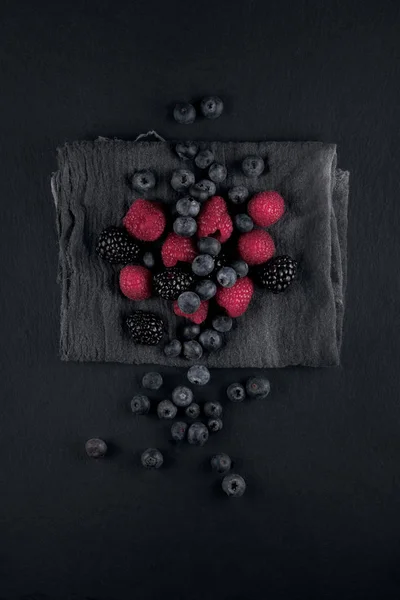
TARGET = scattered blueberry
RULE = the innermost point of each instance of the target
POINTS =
(192, 350)
(211, 340)
(213, 408)
(96, 448)
(217, 173)
(166, 410)
(244, 223)
(204, 159)
(184, 113)
(187, 207)
(192, 411)
(182, 396)
(222, 324)
(185, 226)
(258, 387)
(190, 331)
(206, 289)
(203, 189)
(152, 458)
(236, 392)
(214, 425)
(186, 150)
(198, 375)
(197, 434)
(212, 107)
(241, 267)
(142, 181)
(221, 463)
(238, 194)
(149, 260)
(203, 265)
(209, 245)
(182, 179)
(152, 381)
(178, 430)
(253, 166)
(173, 349)
(140, 405)
(234, 485)
(188, 302)
(226, 277)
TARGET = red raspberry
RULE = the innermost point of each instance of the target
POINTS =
(198, 317)
(235, 300)
(214, 220)
(135, 282)
(177, 248)
(145, 220)
(256, 247)
(266, 208)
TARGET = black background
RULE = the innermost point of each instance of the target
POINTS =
(322, 456)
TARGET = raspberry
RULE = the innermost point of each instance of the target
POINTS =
(135, 282)
(256, 247)
(236, 299)
(266, 208)
(145, 220)
(177, 248)
(214, 220)
(197, 317)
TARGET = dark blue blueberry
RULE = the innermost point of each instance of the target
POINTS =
(173, 349)
(234, 485)
(212, 107)
(178, 431)
(258, 387)
(152, 458)
(182, 396)
(198, 375)
(182, 180)
(226, 277)
(236, 392)
(203, 189)
(140, 404)
(213, 408)
(192, 350)
(190, 331)
(142, 181)
(253, 166)
(186, 150)
(217, 173)
(203, 265)
(152, 381)
(241, 267)
(214, 425)
(222, 324)
(96, 448)
(206, 289)
(221, 463)
(209, 245)
(204, 159)
(244, 223)
(166, 410)
(185, 226)
(192, 411)
(149, 260)
(188, 302)
(184, 113)
(197, 434)
(238, 194)
(187, 207)
(211, 340)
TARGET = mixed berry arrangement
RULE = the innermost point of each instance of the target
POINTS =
(205, 254)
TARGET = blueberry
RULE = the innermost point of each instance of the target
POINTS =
(192, 350)
(244, 223)
(188, 302)
(253, 166)
(142, 181)
(214, 425)
(197, 434)
(203, 189)
(185, 226)
(187, 207)
(217, 173)
(212, 107)
(234, 485)
(166, 410)
(152, 381)
(186, 150)
(212, 408)
(140, 405)
(190, 331)
(241, 267)
(149, 260)
(203, 265)
(96, 448)
(206, 289)
(192, 411)
(182, 396)
(184, 113)
(221, 463)
(152, 458)
(178, 430)
(226, 277)
(182, 179)
(236, 392)
(198, 375)
(222, 324)
(258, 387)
(209, 245)
(238, 194)
(204, 159)
(211, 340)
(173, 349)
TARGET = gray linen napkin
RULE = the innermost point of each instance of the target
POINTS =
(300, 327)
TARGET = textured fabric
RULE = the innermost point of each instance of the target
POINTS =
(301, 327)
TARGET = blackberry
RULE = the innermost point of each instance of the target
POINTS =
(170, 284)
(222, 260)
(116, 246)
(277, 274)
(145, 327)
